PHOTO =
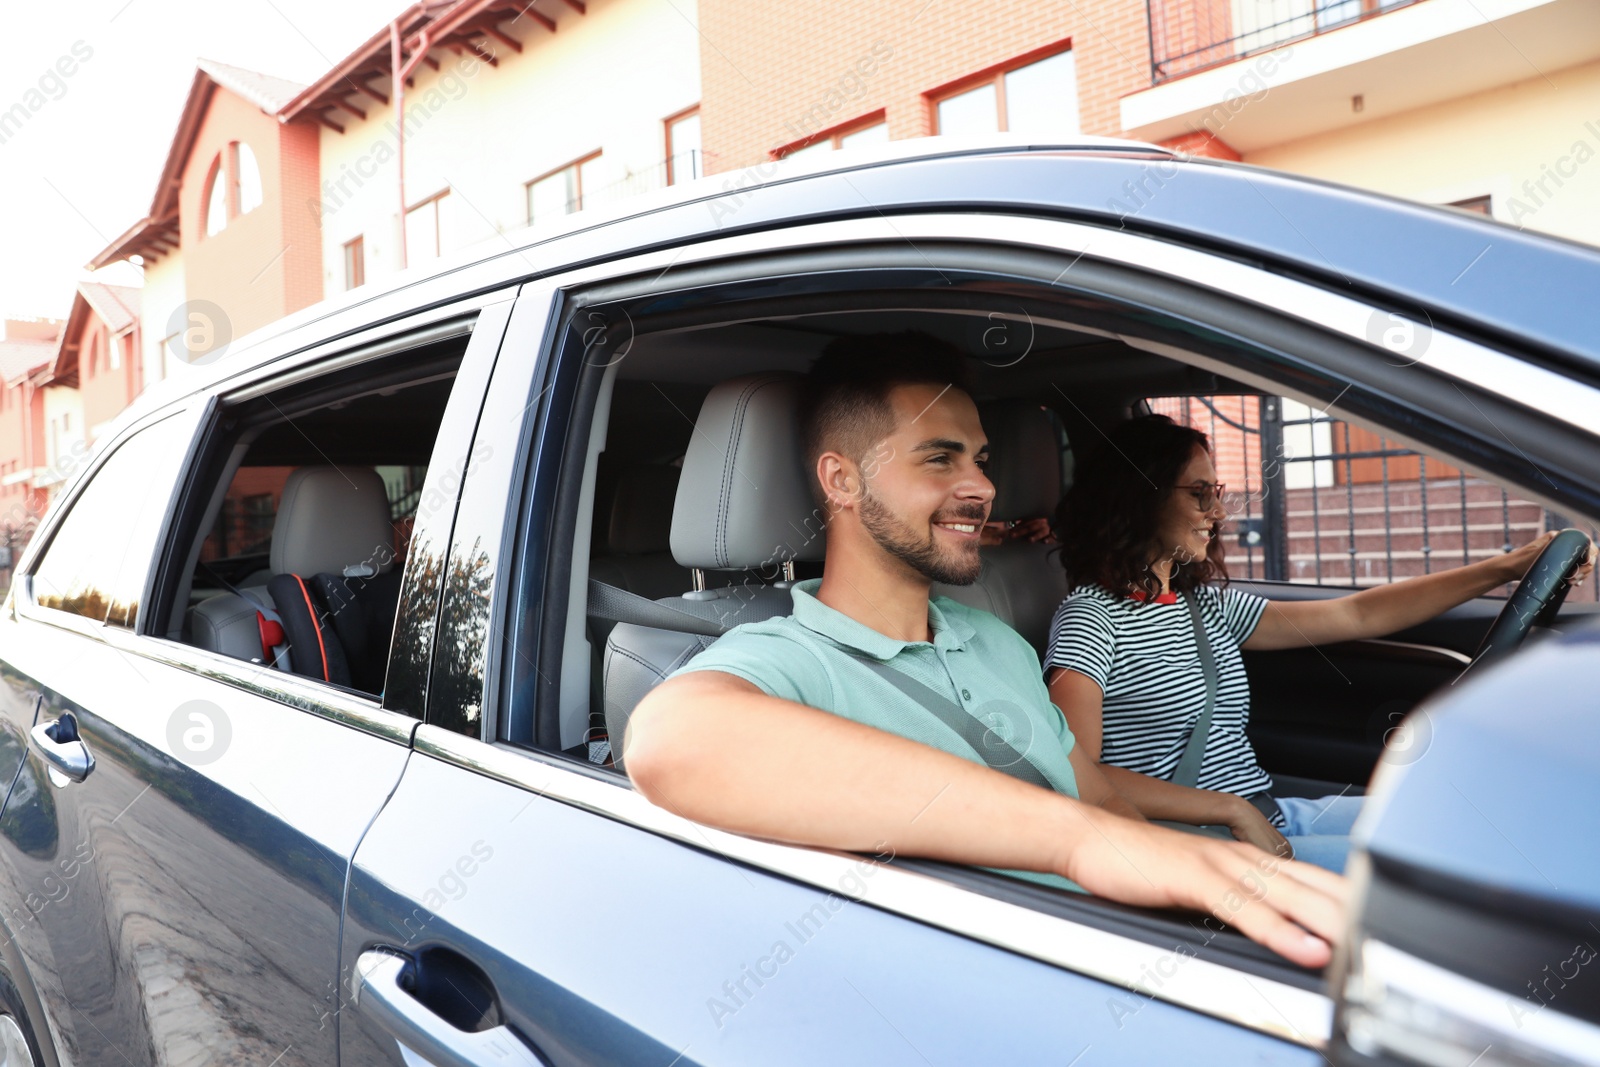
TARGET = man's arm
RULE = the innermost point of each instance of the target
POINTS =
(714, 748)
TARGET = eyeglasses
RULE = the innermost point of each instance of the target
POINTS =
(1206, 494)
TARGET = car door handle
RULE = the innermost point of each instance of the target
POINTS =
(63, 750)
(381, 995)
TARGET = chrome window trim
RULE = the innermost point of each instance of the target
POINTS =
(1537, 388)
(292, 690)
(25, 606)
(314, 367)
(1262, 1004)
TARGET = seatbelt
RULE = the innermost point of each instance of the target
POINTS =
(1188, 770)
(619, 605)
(995, 750)
(269, 625)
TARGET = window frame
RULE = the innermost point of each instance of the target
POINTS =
(482, 318)
(355, 262)
(834, 134)
(995, 75)
(427, 203)
(574, 165)
(667, 126)
(216, 178)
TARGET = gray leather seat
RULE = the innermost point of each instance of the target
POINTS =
(743, 503)
(226, 623)
(327, 519)
(639, 535)
(1023, 584)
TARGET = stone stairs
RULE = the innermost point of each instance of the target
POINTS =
(1353, 535)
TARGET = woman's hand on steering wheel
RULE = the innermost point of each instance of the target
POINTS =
(1544, 570)
(1518, 562)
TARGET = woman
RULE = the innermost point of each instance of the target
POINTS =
(1139, 540)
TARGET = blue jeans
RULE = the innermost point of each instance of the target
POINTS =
(1319, 829)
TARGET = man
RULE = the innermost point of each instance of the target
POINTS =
(779, 730)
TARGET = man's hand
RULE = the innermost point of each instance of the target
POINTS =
(1295, 909)
(1253, 828)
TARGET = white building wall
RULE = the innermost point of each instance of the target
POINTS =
(605, 80)
(159, 304)
(64, 441)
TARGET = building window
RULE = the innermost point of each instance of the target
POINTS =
(355, 263)
(1033, 94)
(683, 146)
(247, 177)
(560, 192)
(233, 186)
(867, 129)
(113, 351)
(216, 198)
(423, 229)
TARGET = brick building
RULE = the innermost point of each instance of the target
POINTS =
(26, 351)
(275, 195)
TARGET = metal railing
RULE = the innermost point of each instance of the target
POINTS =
(1309, 502)
(1191, 35)
(685, 166)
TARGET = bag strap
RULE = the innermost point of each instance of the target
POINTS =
(1194, 753)
(994, 749)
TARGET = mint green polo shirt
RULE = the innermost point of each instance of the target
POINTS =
(974, 659)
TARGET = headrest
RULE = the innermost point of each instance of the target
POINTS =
(641, 510)
(744, 500)
(330, 518)
(1024, 458)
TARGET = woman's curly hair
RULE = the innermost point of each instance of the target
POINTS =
(1109, 520)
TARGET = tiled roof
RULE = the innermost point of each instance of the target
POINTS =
(263, 90)
(18, 358)
(117, 305)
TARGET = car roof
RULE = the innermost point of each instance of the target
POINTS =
(1457, 270)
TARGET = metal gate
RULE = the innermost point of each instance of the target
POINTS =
(1312, 499)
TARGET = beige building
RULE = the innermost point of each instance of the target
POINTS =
(1489, 104)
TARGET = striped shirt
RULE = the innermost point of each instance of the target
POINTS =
(1145, 659)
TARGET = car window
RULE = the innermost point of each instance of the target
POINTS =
(301, 521)
(1314, 499)
(99, 558)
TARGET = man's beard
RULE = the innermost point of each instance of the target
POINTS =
(897, 538)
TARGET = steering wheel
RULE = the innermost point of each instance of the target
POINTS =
(1537, 597)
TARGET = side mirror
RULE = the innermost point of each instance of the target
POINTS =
(1475, 922)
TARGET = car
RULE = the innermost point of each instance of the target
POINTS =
(315, 674)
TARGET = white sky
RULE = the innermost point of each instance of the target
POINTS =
(84, 167)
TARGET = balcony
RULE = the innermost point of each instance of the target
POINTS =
(1272, 71)
(1191, 35)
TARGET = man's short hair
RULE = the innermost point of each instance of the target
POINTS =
(845, 406)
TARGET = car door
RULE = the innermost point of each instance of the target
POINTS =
(512, 907)
(179, 900)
